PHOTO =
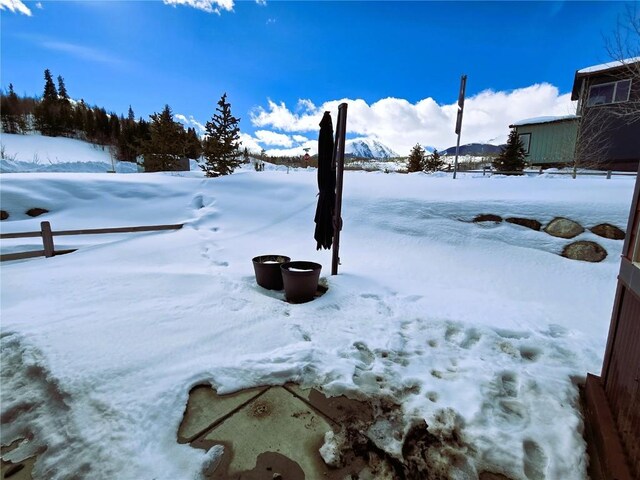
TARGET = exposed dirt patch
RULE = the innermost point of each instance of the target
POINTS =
(36, 212)
(4, 214)
(487, 217)
(525, 222)
(607, 230)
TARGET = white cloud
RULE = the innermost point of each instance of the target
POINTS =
(15, 6)
(191, 122)
(267, 137)
(250, 143)
(81, 51)
(262, 2)
(400, 124)
(39, 6)
(271, 20)
(209, 6)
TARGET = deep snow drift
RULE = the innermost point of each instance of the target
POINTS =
(481, 328)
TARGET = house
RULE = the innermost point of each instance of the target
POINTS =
(612, 400)
(548, 141)
(608, 98)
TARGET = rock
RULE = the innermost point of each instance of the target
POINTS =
(585, 251)
(607, 230)
(4, 214)
(35, 212)
(487, 217)
(525, 222)
(563, 228)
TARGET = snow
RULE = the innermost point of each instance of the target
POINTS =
(478, 327)
(609, 65)
(529, 121)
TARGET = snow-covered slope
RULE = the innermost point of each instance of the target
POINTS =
(368, 148)
(37, 153)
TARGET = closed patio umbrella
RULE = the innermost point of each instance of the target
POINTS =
(326, 185)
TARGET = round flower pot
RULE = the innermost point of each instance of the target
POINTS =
(300, 280)
(267, 268)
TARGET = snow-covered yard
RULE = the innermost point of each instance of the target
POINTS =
(484, 328)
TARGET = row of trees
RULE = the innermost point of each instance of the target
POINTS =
(162, 141)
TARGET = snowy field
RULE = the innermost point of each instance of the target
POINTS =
(479, 328)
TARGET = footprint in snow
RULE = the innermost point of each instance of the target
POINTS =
(535, 460)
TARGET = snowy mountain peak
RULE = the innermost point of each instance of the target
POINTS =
(368, 148)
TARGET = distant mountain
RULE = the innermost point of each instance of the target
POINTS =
(474, 149)
(368, 148)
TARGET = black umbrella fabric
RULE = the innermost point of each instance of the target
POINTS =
(326, 185)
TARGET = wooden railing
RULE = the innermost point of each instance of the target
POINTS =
(47, 238)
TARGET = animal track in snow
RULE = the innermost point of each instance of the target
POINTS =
(472, 336)
(200, 201)
(508, 383)
(530, 353)
(535, 460)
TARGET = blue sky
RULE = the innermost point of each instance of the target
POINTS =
(282, 63)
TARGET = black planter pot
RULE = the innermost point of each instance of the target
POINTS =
(300, 280)
(268, 273)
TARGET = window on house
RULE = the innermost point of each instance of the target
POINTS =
(525, 140)
(613, 92)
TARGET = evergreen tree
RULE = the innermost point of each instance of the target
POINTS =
(192, 144)
(79, 115)
(245, 155)
(12, 119)
(50, 92)
(47, 111)
(511, 158)
(65, 112)
(221, 147)
(416, 159)
(165, 147)
(433, 162)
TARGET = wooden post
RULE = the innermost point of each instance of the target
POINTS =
(47, 239)
(341, 130)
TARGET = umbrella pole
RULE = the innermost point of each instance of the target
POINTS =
(338, 160)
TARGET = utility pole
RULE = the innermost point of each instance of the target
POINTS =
(463, 85)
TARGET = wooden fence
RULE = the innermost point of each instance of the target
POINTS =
(47, 238)
(608, 174)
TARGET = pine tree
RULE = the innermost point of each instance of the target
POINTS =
(511, 158)
(433, 162)
(192, 144)
(221, 148)
(165, 147)
(12, 120)
(65, 113)
(245, 155)
(47, 111)
(127, 142)
(416, 159)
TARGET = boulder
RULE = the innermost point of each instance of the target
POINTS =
(607, 230)
(4, 214)
(487, 217)
(525, 222)
(585, 251)
(35, 212)
(563, 228)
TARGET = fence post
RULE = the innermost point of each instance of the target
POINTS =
(47, 239)
(608, 174)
